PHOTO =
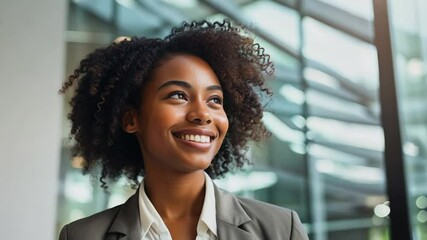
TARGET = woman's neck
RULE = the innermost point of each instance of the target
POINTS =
(176, 196)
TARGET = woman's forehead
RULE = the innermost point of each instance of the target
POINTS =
(184, 67)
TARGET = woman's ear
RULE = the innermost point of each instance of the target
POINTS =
(129, 121)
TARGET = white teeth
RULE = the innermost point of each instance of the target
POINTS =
(195, 138)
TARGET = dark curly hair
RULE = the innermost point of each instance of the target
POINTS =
(110, 81)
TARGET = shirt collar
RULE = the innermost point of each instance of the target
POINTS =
(208, 215)
(149, 216)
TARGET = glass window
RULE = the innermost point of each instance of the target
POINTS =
(345, 140)
(349, 57)
(408, 27)
(278, 17)
(361, 8)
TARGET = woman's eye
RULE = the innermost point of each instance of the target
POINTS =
(216, 100)
(177, 95)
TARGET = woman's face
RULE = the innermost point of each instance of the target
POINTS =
(181, 123)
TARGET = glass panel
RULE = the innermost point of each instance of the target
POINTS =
(347, 56)
(104, 9)
(278, 16)
(345, 139)
(361, 8)
(409, 32)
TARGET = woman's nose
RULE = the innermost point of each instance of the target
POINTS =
(199, 114)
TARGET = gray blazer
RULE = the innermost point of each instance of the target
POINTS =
(237, 219)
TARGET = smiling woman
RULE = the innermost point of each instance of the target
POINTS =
(183, 98)
(177, 111)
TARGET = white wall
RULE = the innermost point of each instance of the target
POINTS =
(31, 71)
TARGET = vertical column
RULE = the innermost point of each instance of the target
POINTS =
(31, 72)
(315, 186)
(396, 184)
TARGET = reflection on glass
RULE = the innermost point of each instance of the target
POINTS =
(348, 56)
(361, 8)
(345, 138)
(408, 27)
(278, 17)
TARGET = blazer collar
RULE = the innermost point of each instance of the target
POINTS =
(230, 216)
(126, 225)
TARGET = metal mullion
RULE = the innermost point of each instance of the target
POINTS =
(394, 163)
(315, 189)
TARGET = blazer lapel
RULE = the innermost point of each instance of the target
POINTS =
(126, 225)
(230, 216)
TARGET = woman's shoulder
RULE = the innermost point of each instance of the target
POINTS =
(111, 224)
(259, 210)
(90, 227)
(271, 221)
(97, 218)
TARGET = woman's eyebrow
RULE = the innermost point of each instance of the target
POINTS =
(176, 83)
(186, 85)
(214, 87)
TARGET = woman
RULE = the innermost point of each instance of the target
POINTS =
(178, 111)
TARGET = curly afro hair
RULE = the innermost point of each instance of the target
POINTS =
(110, 81)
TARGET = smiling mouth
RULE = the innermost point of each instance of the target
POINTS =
(195, 138)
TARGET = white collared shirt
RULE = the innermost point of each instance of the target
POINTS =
(153, 227)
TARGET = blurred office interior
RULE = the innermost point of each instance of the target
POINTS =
(348, 116)
(325, 158)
